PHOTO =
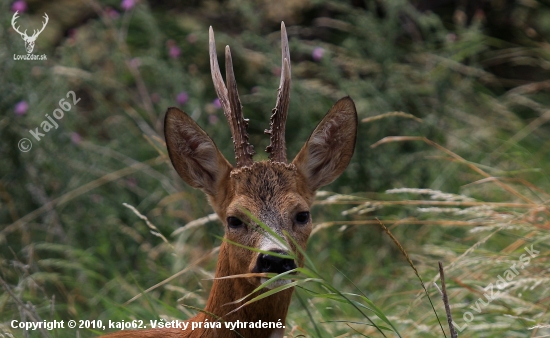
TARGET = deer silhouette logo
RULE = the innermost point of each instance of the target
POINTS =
(29, 40)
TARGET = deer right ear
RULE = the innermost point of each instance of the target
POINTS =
(193, 153)
(328, 150)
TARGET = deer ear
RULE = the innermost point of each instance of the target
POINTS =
(328, 150)
(193, 153)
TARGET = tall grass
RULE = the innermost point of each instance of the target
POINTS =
(458, 117)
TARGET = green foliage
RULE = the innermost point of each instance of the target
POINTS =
(469, 186)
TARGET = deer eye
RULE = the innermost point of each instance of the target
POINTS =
(234, 222)
(302, 217)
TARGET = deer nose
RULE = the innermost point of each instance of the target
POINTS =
(268, 263)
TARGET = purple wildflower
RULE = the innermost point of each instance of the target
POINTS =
(127, 4)
(317, 54)
(182, 98)
(19, 6)
(76, 138)
(174, 52)
(173, 49)
(112, 13)
(21, 108)
(217, 103)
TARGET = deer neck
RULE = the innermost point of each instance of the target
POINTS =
(225, 291)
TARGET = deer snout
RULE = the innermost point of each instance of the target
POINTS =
(268, 263)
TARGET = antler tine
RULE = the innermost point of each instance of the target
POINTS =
(243, 149)
(231, 104)
(221, 91)
(277, 146)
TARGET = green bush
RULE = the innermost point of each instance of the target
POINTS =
(472, 80)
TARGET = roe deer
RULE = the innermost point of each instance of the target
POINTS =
(276, 192)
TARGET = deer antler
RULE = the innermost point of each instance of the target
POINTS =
(231, 104)
(43, 26)
(13, 19)
(277, 146)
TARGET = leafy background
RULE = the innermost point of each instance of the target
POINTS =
(461, 86)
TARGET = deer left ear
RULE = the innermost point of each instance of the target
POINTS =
(193, 153)
(328, 150)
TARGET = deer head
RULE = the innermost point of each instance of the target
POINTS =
(29, 40)
(276, 192)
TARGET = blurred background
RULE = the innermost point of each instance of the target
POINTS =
(453, 156)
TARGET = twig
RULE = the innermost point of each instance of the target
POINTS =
(154, 230)
(446, 301)
(189, 267)
(196, 223)
(391, 114)
(458, 158)
(438, 203)
(400, 247)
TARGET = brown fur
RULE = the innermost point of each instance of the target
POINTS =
(273, 192)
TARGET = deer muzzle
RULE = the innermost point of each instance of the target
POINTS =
(274, 264)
